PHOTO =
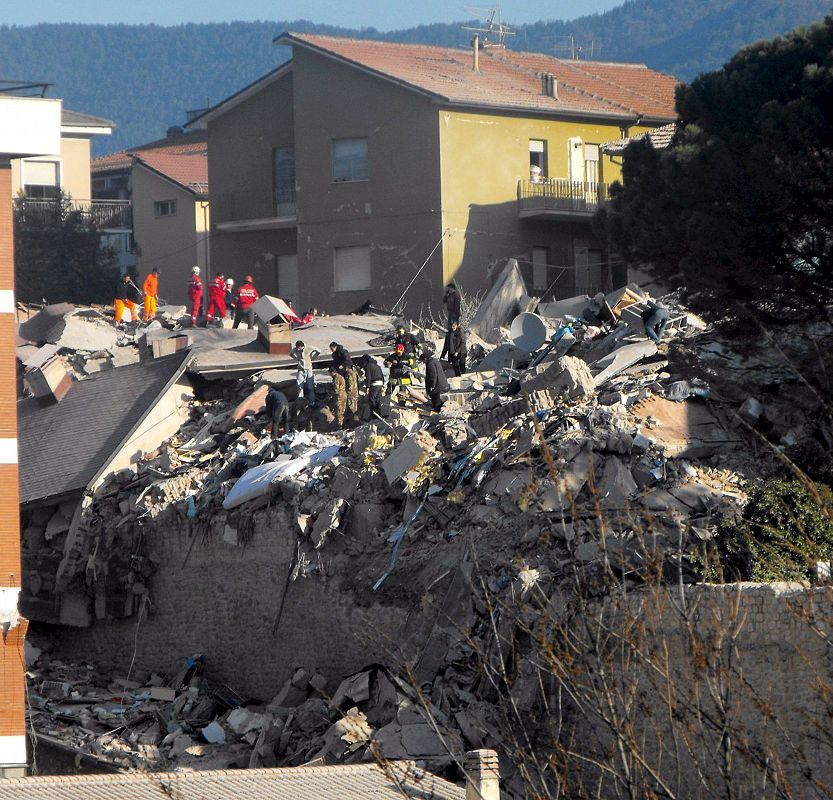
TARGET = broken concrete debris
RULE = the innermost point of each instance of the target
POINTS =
(540, 462)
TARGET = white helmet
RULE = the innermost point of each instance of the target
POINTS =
(230, 282)
(195, 270)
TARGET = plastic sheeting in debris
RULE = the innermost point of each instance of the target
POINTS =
(258, 480)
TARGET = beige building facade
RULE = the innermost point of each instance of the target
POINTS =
(361, 168)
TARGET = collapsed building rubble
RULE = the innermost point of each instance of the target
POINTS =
(585, 449)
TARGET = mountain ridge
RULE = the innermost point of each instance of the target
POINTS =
(145, 77)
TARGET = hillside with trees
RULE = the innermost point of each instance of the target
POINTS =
(145, 77)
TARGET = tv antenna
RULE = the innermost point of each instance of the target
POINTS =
(570, 47)
(495, 31)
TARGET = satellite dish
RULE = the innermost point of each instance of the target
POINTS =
(528, 332)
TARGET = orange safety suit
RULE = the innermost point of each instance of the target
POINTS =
(151, 290)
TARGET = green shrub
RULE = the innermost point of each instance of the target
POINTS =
(784, 530)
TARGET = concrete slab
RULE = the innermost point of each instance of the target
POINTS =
(402, 459)
(501, 304)
(620, 359)
(81, 335)
(226, 353)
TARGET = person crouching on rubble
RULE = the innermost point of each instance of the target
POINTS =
(655, 318)
(217, 300)
(127, 296)
(455, 348)
(410, 343)
(400, 372)
(277, 409)
(339, 395)
(305, 376)
(435, 381)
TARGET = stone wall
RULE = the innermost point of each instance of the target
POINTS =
(221, 599)
(737, 679)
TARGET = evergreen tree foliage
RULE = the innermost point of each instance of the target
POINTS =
(785, 529)
(58, 255)
(739, 209)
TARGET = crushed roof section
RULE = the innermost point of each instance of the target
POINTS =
(345, 782)
(63, 445)
(660, 138)
(508, 79)
(189, 170)
(80, 120)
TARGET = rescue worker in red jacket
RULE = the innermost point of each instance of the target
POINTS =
(195, 293)
(247, 296)
(216, 300)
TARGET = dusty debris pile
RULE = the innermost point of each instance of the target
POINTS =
(583, 449)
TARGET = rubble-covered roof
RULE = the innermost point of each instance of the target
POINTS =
(508, 79)
(345, 782)
(660, 138)
(63, 445)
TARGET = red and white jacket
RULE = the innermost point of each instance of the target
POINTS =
(247, 296)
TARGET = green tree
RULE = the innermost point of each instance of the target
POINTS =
(739, 209)
(58, 254)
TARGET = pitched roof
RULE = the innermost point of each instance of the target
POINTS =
(77, 119)
(506, 78)
(63, 446)
(345, 782)
(659, 138)
(181, 144)
(189, 170)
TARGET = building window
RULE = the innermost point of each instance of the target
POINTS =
(350, 160)
(537, 159)
(41, 179)
(351, 269)
(283, 180)
(164, 208)
(591, 163)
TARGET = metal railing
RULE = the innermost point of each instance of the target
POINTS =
(561, 196)
(114, 214)
(241, 205)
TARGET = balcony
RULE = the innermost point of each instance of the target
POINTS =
(555, 198)
(244, 211)
(110, 214)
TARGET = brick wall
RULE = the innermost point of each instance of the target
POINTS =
(223, 603)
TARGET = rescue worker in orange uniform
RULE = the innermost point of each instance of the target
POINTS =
(151, 290)
(216, 299)
(126, 297)
(247, 296)
(195, 293)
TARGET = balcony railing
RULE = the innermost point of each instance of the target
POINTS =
(557, 197)
(114, 214)
(244, 204)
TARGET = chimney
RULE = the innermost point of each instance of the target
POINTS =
(49, 382)
(475, 46)
(482, 775)
(549, 85)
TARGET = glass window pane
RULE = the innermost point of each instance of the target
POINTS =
(350, 160)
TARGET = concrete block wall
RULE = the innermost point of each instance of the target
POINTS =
(765, 650)
(221, 600)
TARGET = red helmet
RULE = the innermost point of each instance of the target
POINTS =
(400, 348)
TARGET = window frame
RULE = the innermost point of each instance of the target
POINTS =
(352, 179)
(336, 251)
(157, 208)
(289, 189)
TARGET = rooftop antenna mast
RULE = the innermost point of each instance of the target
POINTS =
(495, 31)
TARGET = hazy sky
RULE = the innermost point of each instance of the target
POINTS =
(381, 14)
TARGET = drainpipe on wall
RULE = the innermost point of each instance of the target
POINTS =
(206, 245)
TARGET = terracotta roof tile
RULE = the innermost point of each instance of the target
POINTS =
(121, 160)
(187, 169)
(509, 79)
(344, 782)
